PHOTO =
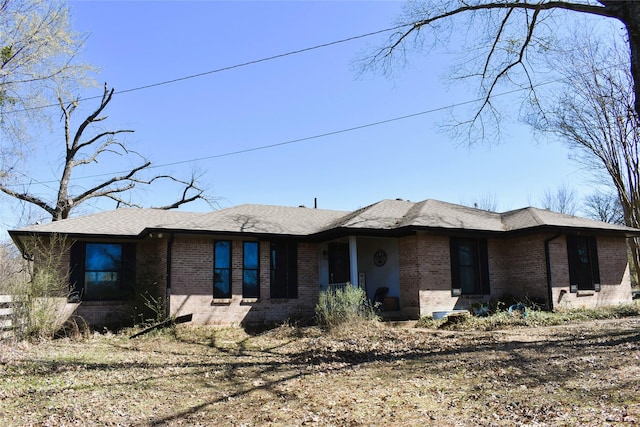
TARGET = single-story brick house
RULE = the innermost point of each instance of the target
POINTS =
(256, 263)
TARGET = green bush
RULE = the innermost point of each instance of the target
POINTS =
(348, 304)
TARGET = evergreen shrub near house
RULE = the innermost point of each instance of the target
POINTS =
(341, 305)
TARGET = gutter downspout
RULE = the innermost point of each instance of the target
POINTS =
(168, 280)
(547, 259)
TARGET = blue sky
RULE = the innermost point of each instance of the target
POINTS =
(195, 123)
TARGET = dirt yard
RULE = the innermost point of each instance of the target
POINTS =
(576, 375)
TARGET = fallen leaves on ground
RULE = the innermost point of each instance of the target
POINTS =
(366, 375)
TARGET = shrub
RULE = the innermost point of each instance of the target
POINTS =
(148, 308)
(348, 304)
(502, 319)
(148, 302)
(39, 297)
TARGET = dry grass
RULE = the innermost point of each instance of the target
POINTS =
(572, 375)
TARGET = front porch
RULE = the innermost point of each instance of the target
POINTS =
(373, 264)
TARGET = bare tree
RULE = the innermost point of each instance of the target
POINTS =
(594, 115)
(82, 151)
(564, 200)
(508, 42)
(503, 40)
(604, 207)
(11, 264)
(38, 53)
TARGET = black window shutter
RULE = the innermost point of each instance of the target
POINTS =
(454, 248)
(128, 266)
(593, 258)
(292, 279)
(484, 266)
(76, 270)
(572, 252)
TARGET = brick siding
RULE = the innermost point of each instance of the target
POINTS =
(517, 267)
(192, 285)
(615, 280)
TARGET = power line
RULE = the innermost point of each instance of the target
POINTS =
(269, 146)
(280, 144)
(219, 70)
(308, 138)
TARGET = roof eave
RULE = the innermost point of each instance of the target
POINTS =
(574, 230)
(18, 236)
(227, 233)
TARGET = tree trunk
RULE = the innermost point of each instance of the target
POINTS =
(631, 220)
(633, 29)
(628, 12)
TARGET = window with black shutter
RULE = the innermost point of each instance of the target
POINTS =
(469, 266)
(584, 272)
(101, 271)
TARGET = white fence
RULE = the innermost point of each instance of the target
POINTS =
(7, 317)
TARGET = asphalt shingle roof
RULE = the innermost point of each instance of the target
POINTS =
(265, 219)
(119, 222)
(437, 214)
(534, 217)
(300, 221)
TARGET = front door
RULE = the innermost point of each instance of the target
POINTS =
(339, 265)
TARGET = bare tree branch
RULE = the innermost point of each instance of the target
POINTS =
(81, 151)
(38, 51)
(103, 188)
(593, 114)
(189, 186)
(511, 36)
(564, 200)
(29, 198)
(604, 207)
(507, 6)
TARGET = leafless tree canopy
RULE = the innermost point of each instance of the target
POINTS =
(509, 42)
(593, 113)
(503, 39)
(38, 53)
(604, 207)
(563, 200)
(82, 150)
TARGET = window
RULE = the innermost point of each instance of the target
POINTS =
(101, 271)
(284, 269)
(250, 276)
(584, 272)
(469, 266)
(222, 269)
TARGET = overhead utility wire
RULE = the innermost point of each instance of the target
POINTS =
(264, 147)
(230, 67)
(308, 138)
(270, 58)
(293, 141)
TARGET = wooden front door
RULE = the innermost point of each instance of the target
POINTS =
(339, 265)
